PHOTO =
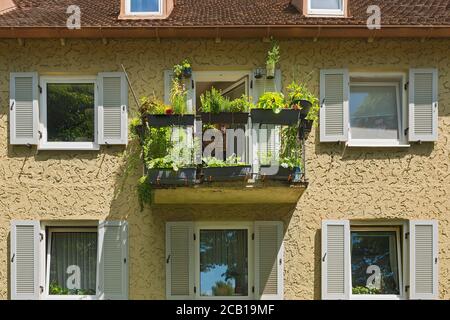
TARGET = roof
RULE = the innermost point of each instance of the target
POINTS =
(225, 13)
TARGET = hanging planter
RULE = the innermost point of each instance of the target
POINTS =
(184, 176)
(225, 117)
(187, 72)
(283, 174)
(270, 70)
(231, 173)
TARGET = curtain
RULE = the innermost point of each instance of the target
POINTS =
(69, 249)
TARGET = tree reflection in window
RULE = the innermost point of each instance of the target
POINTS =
(70, 112)
(223, 263)
(374, 262)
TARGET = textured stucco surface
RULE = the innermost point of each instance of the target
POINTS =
(410, 183)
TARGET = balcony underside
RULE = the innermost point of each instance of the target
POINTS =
(272, 192)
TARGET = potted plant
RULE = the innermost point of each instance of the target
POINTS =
(157, 114)
(273, 56)
(168, 163)
(218, 109)
(183, 69)
(225, 170)
(289, 160)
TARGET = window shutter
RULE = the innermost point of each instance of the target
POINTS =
(336, 273)
(423, 259)
(113, 260)
(24, 257)
(269, 262)
(179, 260)
(334, 110)
(261, 85)
(423, 105)
(24, 108)
(112, 109)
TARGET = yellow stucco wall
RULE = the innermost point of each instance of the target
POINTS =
(344, 184)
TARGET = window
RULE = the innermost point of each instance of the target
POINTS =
(143, 7)
(326, 7)
(68, 113)
(376, 261)
(71, 262)
(376, 112)
(223, 262)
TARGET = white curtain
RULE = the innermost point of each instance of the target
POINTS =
(69, 249)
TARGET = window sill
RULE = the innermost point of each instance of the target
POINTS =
(76, 146)
(376, 144)
(376, 297)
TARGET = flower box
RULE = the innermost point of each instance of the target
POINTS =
(225, 117)
(184, 176)
(166, 120)
(283, 174)
(284, 117)
(231, 173)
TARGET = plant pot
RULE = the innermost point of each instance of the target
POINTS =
(270, 70)
(305, 107)
(283, 174)
(187, 72)
(165, 120)
(267, 116)
(225, 117)
(184, 176)
(234, 173)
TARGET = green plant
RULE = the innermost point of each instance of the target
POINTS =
(212, 101)
(242, 104)
(291, 150)
(273, 55)
(178, 97)
(152, 105)
(135, 123)
(56, 289)
(365, 290)
(156, 143)
(179, 68)
(231, 161)
(145, 191)
(297, 92)
(272, 100)
(222, 288)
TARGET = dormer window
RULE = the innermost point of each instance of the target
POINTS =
(326, 7)
(146, 9)
(143, 7)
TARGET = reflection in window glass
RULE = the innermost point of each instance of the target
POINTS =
(144, 5)
(326, 4)
(374, 112)
(70, 112)
(223, 263)
(374, 262)
(73, 263)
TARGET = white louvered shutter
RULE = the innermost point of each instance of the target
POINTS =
(23, 108)
(112, 109)
(179, 260)
(334, 109)
(423, 259)
(113, 260)
(423, 105)
(25, 260)
(269, 262)
(336, 273)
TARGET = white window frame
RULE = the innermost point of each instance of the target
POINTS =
(43, 143)
(401, 230)
(47, 256)
(249, 226)
(402, 108)
(142, 13)
(326, 12)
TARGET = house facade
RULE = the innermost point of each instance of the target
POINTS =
(369, 221)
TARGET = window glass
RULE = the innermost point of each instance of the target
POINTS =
(374, 262)
(223, 263)
(70, 112)
(144, 5)
(73, 263)
(326, 4)
(374, 112)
